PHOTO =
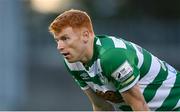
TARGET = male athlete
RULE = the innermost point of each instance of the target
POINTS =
(114, 73)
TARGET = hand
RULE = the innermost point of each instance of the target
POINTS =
(110, 96)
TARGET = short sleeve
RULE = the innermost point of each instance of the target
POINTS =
(75, 74)
(119, 65)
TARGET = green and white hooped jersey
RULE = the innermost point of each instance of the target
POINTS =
(117, 65)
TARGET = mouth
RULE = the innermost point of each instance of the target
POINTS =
(65, 54)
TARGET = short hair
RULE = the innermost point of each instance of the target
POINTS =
(72, 18)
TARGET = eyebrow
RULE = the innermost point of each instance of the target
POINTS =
(65, 35)
(57, 38)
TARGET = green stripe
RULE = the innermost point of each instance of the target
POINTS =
(146, 63)
(173, 98)
(96, 80)
(106, 42)
(152, 88)
(131, 54)
(79, 80)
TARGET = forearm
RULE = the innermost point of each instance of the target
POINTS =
(134, 98)
(103, 107)
(98, 103)
(139, 106)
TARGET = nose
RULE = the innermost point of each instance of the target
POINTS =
(60, 45)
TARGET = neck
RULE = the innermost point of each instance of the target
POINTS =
(88, 52)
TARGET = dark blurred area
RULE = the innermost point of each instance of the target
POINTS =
(32, 73)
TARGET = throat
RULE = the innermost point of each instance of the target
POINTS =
(87, 58)
(89, 61)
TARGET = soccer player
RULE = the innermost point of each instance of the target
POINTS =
(114, 73)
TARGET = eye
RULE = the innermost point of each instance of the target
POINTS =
(64, 38)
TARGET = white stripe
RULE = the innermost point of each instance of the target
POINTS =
(95, 68)
(177, 105)
(118, 43)
(163, 91)
(102, 88)
(152, 73)
(85, 88)
(130, 86)
(75, 66)
(98, 42)
(139, 55)
(109, 86)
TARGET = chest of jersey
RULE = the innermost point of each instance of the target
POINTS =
(100, 84)
(94, 77)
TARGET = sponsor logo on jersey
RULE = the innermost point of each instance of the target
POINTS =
(123, 72)
(84, 76)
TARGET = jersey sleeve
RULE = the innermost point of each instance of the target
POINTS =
(120, 66)
(75, 74)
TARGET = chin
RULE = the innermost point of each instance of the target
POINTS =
(71, 61)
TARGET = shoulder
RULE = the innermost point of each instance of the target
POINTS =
(110, 45)
(112, 59)
(121, 53)
(110, 42)
(112, 50)
(122, 69)
(114, 55)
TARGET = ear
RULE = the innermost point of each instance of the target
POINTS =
(86, 36)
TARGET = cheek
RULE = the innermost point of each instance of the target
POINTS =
(77, 47)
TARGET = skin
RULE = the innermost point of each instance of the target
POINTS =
(98, 103)
(135, 99)
(132, 97)
(76, 44)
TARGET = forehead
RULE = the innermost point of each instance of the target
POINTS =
(64, 31)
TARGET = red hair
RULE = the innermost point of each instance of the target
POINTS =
(72, 18)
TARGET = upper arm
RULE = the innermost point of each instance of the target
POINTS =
(132, 95)
(124, 73)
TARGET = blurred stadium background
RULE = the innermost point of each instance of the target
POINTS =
(32, 74)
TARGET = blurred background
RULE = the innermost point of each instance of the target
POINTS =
(32, 74)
